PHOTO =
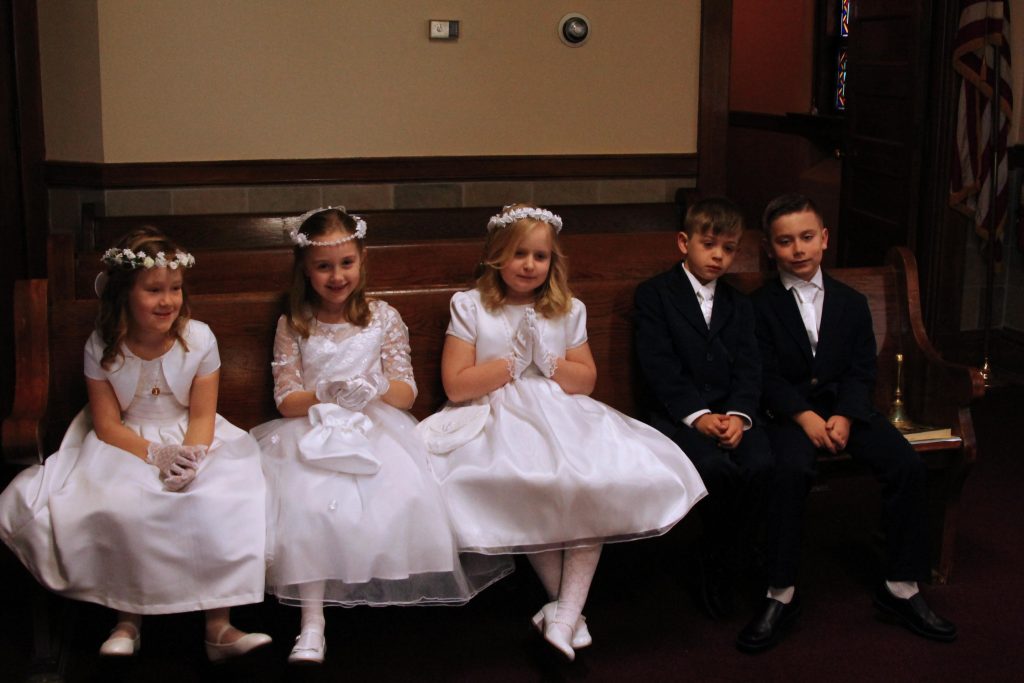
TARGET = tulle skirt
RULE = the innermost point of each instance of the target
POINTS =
(368, 539)
(552, 470)
(94, 523)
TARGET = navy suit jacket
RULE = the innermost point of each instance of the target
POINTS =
(687, 366)
(839, 379)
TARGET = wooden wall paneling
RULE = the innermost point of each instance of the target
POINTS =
(713, 116)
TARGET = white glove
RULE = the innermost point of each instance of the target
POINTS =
(522, 345)
(177, 464)
(353, 393)
(545, 361)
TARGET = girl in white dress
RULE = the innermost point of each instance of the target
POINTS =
(540, 467)
(354, 514)
(154, 504)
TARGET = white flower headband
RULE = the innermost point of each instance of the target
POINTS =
(300, 239)
(129, 260)
(126, 258)
(507, 217)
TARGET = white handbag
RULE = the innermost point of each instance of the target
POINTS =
(337, 441)
(453, 426)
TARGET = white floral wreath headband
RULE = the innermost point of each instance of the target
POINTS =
(127, 259)
(508, 217)
(300, 239)
(131, 260)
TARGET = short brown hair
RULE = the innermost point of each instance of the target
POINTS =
(785, 204)
(715, 215)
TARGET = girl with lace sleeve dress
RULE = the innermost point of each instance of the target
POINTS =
(154, 504)
(354, 514)
(541, 468)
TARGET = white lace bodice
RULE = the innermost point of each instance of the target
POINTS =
(341, 351)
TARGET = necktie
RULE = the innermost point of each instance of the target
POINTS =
(707, 302)
(805, 295)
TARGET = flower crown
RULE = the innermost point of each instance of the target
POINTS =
(300, 239)
(130, 260)
(508, 217)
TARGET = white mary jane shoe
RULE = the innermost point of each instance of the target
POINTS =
(559, 634)
(580, 635)
(219, 652)
(121, 646)
(310, 648)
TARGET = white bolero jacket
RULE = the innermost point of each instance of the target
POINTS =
(180, 367)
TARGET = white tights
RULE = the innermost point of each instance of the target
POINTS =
(566, 577)
(312, 595)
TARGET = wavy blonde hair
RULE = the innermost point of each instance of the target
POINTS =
(114, 316)
(553, 298)
(302, 298)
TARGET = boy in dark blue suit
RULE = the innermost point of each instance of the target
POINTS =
(818, 353)
(698, 354)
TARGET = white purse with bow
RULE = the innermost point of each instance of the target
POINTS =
(338, 441)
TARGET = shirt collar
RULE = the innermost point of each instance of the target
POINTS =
(698, 288)
(789, 280)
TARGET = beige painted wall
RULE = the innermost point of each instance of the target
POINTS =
(70, 71)
(191, 80)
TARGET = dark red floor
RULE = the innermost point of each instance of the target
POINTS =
(644, 625)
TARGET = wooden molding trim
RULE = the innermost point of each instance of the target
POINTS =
(368, 170)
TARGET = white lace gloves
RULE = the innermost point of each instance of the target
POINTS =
(353, 393)
(178, 464)
(528, 347)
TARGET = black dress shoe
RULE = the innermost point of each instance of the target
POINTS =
(767, 627)
(915, 614)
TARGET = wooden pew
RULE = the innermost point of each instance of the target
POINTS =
(50, 333)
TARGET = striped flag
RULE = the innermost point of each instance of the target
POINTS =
(984, 25)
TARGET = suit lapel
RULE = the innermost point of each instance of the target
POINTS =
(685, 300)
(789, 314)
(831, 314)
(721, 310)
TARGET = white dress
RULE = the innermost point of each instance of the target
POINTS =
(374, 538)
(95, 523)
(549, 469)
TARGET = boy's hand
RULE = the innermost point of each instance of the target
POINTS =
(710, 424)
(838, 427)
(815, 429)
(733, 433)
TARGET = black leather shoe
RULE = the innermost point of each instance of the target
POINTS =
(767, 627)
(915, 614)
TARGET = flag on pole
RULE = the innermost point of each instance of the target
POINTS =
(983, 33)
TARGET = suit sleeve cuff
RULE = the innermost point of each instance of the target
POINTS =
(692, 417)
(747, 422)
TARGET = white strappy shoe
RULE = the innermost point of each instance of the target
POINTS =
(581, 634)
(310, 648)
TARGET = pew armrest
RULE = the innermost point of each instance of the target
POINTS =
(23, 428)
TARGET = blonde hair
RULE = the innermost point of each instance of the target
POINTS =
(114, 314)
(302, 298)
(553, 298)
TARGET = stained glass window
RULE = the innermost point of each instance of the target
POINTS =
(841, 78)
(844, 18)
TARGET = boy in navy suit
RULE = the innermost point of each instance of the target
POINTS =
(698, 354)
(818, 353)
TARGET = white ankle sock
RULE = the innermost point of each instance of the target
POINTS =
(902, 589)
(783, 595)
